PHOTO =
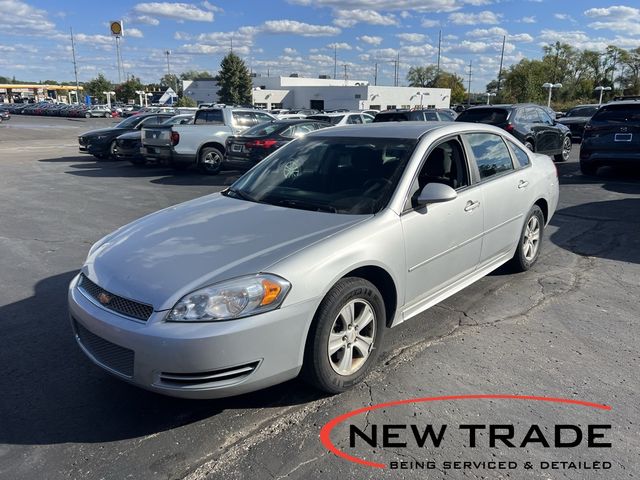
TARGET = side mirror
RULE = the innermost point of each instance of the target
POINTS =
(436, 193)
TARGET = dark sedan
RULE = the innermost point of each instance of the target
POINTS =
(577, 118)
(128, 145)
(529, 123)
(256, 143)
(102, 143)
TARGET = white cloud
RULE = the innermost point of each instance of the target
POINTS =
(290, 51)
(581, 40)
(144, 20)
(487, 32)
(563, 16)
(211, 7)
(426, 23)
(23, 19)
(528, 19)
(521, 37)
(133, 32)
(339, 46)
(411, 37)
(293, 27)
(175, 11)
(486, 17)
(94, 39)
(618, 18)
(201, 49)
(181, 36)
(321, 59)
(398, 5)
(7, 48)
(404, 14)
(349, 18)
(420, 51)
(371, 39)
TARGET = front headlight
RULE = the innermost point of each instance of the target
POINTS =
(241, 297)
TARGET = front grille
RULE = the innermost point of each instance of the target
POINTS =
(123, 306)
(112, 356)
(223, 376)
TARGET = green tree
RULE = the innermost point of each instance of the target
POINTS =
(422, 76)
(186, 102)
(234, 80)
(171, 81)
(452, 81)
(196, 75)
(127, 90)
(98, 85)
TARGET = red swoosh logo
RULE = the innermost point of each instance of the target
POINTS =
(325, 432)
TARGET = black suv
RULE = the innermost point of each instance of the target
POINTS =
(425, 115)
(529, 123)
(611, 137)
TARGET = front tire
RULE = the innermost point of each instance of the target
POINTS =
(530, 241)
(210, 161)
(566, 150)
(346, 336)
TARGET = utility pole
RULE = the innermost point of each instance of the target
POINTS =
(344, 65)
(504, 39)
(398, 69)
(469, 99)
(335, 61)
(75, 66)
(375, 74)
(439, 50)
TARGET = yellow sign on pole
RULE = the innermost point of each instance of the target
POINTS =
(117, 28)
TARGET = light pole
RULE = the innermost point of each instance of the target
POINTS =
(489, 95)
(421, 95)
(146, 99)
(140, 94)
(602, 90)
(551, 86)
(108, 94)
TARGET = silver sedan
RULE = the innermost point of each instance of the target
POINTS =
(304, 262)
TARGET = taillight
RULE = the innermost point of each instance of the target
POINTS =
(175, 138)
(509, 128)
(261, 143)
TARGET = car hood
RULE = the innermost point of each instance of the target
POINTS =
(163, 256)
(101, 131)
(135, 135)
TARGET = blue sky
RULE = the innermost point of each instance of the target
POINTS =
(286, 36)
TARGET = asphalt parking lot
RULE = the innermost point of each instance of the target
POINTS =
(568, 328)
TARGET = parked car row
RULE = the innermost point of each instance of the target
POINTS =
(47, 108)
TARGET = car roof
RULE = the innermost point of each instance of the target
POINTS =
(290, 121)
(409, 130)
(623, 102)
(331, 114)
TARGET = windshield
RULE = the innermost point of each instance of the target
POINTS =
(391, 117)
(492, 116)
(355, 176)
(581, 112)
(129, 122)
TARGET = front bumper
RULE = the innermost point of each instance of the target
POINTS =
(193, 360)
(94, 148)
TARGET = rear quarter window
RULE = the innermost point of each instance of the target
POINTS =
(209, 117)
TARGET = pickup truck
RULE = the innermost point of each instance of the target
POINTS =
(201, 144)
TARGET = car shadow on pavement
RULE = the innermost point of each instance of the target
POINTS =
(52, 394)
(620, 179)
(608, 229)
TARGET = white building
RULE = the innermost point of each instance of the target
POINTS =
(326, 94)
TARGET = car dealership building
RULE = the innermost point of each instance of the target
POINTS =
(325, 94)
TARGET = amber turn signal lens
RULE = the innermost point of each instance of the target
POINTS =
(271, 292)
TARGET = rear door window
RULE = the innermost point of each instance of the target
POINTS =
(354, 119)
(244, 119)
(492, 116)
(263, 117)
(491, 154)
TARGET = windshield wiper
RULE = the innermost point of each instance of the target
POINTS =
(306, 206)
(240, 194)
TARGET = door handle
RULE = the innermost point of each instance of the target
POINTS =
(471, 205)
(523, 184)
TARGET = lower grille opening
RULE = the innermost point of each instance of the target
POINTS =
(222, 376)
(110, 355)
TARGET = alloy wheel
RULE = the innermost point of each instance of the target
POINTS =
(352, 337)
(531, 238)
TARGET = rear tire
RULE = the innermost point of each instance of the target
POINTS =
(566, 150)
(87, 115)
(345, 337)
(588, 169)
(530, 241)
(210, 160)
